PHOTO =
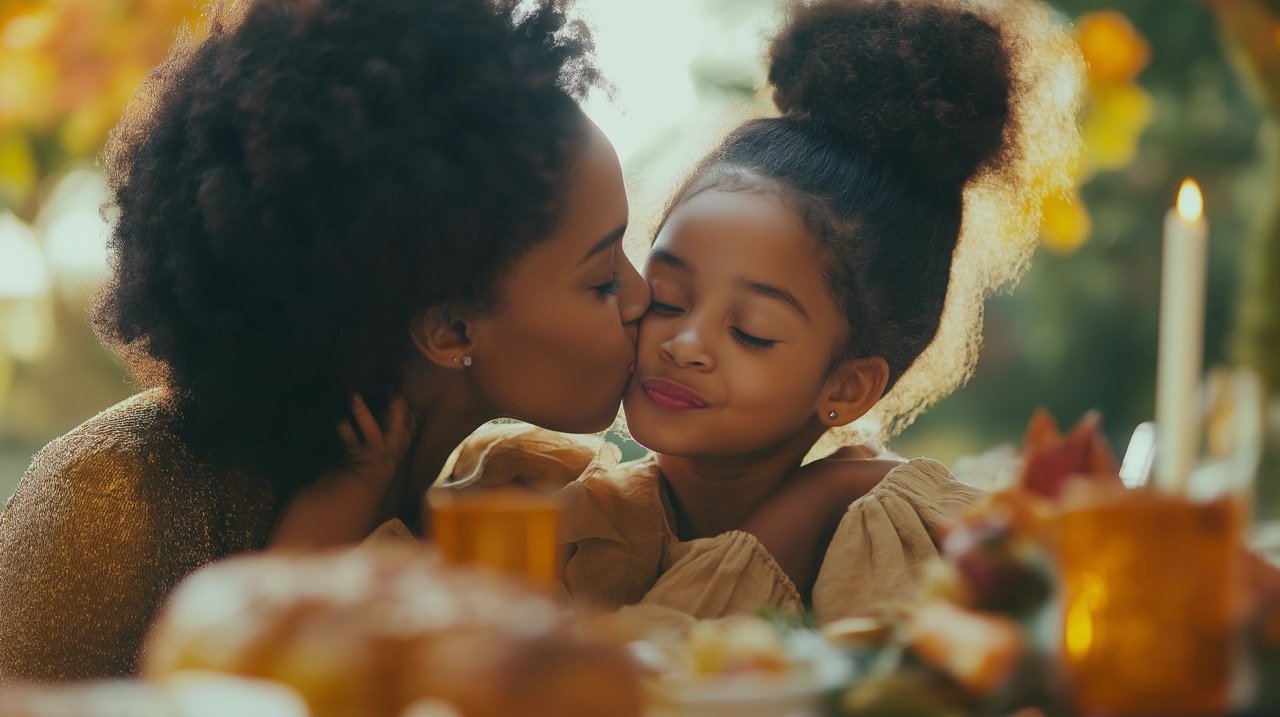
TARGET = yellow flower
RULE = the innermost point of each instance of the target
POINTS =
(25, 24)
(85, 129)
(1065, 223)
(1113, 50)
(28, 81)
(1116, 113)
(1114, 120)
(17, 168)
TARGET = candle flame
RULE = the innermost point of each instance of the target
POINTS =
(1190, 203)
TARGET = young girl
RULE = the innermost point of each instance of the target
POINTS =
(797, 276)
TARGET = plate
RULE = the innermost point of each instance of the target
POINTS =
(818, 669)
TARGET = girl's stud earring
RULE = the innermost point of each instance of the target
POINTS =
(466, 360)
(831, 415)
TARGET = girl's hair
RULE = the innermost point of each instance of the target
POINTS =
(891, 110)
(294, 185)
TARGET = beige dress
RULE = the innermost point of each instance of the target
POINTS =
(624, 552)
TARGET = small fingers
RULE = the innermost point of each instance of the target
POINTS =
(399, 425)
(365, 421)
(347, 433)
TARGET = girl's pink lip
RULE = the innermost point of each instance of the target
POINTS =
(671, 395)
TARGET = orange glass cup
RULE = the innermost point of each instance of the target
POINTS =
(513, 531)
(1152, 589)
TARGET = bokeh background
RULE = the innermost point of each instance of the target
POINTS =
(1175, 88)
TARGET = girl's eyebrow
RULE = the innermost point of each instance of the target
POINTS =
(666, 257)
(773, 292)
(768, 291)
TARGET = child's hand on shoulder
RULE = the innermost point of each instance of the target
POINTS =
(374, 452)
(346, 504)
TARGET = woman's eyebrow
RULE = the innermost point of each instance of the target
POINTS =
(605, 242)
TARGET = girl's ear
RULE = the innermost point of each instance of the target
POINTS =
(854, 387)
(441, 337)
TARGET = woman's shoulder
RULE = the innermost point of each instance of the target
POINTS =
(131, 457)
(121, 438)
(105, 521)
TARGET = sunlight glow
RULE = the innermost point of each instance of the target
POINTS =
(22, 269)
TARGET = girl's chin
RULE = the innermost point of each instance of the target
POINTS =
(649, 431)
(641, 426)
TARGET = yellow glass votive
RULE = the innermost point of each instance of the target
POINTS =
(513, 531)
(1151, 596)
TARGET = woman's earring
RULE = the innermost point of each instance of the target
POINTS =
(465, 360)
(831, 415)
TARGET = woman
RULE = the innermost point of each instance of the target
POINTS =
(314, 200)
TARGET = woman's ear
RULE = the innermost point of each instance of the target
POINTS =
(854, 387)
(441, 337)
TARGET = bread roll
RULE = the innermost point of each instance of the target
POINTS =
(372, 631)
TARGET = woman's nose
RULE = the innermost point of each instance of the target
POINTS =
(633, 301)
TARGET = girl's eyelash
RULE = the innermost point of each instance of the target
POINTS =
(610, 289)
(753, 341)
(742, 337)
(658, 307)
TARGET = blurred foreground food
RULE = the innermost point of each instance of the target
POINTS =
(390, 631)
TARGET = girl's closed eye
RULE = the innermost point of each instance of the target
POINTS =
(747, 339)
(658, 307)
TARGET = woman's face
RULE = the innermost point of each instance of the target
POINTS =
(734, 353)
(560, 349)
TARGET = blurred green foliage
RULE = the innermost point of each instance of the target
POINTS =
(1079, 331)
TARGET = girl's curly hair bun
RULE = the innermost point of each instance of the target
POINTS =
(923, 87)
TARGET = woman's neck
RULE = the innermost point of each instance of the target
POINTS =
(714, 495)
(445, 411)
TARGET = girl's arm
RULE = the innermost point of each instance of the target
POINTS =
(344, 506)
(796, 522)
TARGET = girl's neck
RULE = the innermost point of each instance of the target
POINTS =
(710, 496)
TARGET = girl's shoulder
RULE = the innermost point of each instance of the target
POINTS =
(885, 538)
(926, 486)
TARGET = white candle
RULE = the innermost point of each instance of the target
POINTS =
(1178, 365)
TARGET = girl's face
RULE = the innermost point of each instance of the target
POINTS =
(734, 352)
(559, 351)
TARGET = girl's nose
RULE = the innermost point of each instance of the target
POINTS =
(686, 349)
